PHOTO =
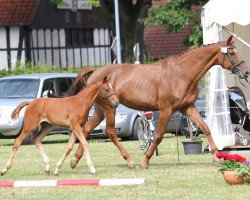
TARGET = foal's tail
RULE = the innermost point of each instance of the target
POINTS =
(80, 81)
(15, 112)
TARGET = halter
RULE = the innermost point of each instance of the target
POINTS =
(108, 94)
(235, 69)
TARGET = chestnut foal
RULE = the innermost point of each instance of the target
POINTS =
(69, 112)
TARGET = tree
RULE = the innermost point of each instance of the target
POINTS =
(177, 14)
(135, 14)
(131, 28)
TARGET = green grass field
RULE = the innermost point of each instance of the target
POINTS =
(192, 177)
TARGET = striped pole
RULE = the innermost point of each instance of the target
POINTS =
(90, 182)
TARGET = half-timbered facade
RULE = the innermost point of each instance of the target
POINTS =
(39, 32)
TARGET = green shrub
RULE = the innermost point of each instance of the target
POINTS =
(29, 69)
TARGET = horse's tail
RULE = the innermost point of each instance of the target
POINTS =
(16, 112)
(80, 81)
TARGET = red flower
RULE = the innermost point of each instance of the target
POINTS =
(235, 157)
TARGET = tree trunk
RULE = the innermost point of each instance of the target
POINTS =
(131, 29)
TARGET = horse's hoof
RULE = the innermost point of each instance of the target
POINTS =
(144, 165)
(73, 163)
(216, 160)
(93, 173)
(55, 174)
(131, 165)
(3, 172)
(47, 172)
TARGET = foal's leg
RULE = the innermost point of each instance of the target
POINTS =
(37, 140)
(70, 146)
(193, 114)
(163, 120)
(76, 129)
(27, 130)
(109, 113)
(96, 119)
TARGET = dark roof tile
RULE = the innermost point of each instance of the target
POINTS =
(161, 44)
(17, 12)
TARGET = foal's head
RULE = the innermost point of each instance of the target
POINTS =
(229, 59)
(106, 92)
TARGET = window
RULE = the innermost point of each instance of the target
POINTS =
(19, 88)
(56, 87)
(79, 37)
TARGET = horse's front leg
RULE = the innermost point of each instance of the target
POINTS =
(70, 146)
(96, 119)
(110, 131)
(193, 114)
(163, 120)
(76, 128)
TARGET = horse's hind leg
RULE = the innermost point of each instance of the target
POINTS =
(18, 141)
(70, 146)
(37, 140)
(96, 119)
(76, 129)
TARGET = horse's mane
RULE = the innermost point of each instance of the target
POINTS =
(195, 49)
(189, 51)
(80, 81)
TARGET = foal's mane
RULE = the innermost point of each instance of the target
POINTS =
(86, 87)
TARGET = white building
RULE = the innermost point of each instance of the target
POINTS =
(39, 32)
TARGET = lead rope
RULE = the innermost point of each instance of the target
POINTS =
(243, 83)
(177, 141)
(176, 132)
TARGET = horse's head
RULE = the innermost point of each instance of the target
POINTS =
(106, 92)
(229, 59)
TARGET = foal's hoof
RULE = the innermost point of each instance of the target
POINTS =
(55, 173)
(131, 165)
(93, 173)
(73, 163)
(144, 165)
(47, 172)
(3, 172)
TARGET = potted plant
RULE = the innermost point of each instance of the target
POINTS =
(235, 168)
(194, 143)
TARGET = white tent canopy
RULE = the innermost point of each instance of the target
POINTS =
(235, 15)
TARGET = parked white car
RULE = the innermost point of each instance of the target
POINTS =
(18, 88)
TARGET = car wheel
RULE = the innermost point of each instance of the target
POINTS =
(135, 129)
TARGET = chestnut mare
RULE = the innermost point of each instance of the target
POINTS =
(67, 112)
(168, 85)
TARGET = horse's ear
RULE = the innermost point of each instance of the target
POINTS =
(231, 40)
(105, 79)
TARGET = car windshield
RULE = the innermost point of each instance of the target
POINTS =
(19, 88)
